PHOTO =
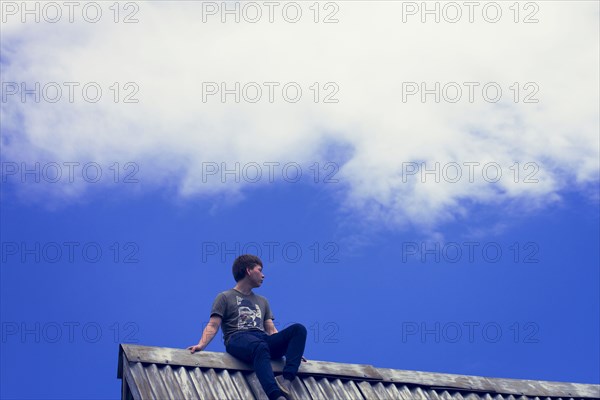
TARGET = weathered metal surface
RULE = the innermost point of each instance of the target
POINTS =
(128, 379)
(256, 387)
(209, 359)
(242, 385)
(300, 390)
(352, 390)
(139, 380)
(367, 390)
(152, 373)
(186, 384)
(314, 389)
(517, 387)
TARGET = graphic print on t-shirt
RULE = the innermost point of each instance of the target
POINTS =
(249, 315)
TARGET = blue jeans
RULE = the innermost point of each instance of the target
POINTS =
(257, 348)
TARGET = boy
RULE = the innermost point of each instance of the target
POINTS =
(248, 330)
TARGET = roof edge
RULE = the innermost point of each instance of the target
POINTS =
(120, 366)
(209, 359)
(218, 360)
(536, 388)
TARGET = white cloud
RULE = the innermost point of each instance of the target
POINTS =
(170, 133)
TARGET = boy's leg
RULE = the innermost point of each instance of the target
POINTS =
(289, 342)
(253, 350)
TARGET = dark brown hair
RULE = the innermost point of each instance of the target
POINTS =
(241, 263)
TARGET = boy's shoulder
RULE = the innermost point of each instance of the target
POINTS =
(226, 293)
(231, 292)
(261, 297)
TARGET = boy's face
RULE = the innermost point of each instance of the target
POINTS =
(255, 275)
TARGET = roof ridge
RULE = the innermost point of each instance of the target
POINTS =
(362, 372)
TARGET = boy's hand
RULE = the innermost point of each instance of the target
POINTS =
(194, 348)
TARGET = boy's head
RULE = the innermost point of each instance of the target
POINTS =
(241, 263)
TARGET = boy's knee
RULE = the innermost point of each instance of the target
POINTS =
(300, 329)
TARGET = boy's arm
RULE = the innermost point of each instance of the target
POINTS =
(209, 333)
(270, 327)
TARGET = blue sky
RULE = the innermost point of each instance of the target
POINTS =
(120, 225)
(367, 307)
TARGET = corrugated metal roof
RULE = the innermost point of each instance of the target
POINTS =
(166, 373)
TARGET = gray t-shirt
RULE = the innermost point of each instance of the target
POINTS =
(241, 312)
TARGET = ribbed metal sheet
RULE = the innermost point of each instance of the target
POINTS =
(160, 373)
(151, 381)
